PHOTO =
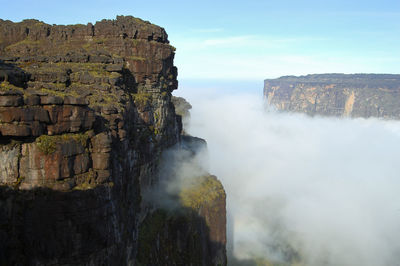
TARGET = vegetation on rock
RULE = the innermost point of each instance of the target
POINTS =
(48, 144)
(197, 192)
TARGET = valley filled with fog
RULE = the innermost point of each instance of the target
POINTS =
(300, 189)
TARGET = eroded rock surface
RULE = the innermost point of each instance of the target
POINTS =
(85, 113)
(358, 95)
(182, 108)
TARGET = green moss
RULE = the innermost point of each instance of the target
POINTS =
(18, 182)
(26, 42)
(100, 40)
(199, 191)
(154, 130)
(85, 181)
(60, 93)
(156, 117)
(27, 64)
(48, 144)
(103, 73)
(93, 43)
(172, 48)
(83, 186)
(5, 85)
(104, 99)
(141, 99)
(80, 138)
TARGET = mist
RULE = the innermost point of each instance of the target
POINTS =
(305, 190)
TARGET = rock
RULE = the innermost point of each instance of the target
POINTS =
(114, 67)
(12, 74)
(13, 114)
(11, 100)
(32, 100)
(69, 118)
(90, 106)
(358, 95)
(101, 161)
(102, 176)
(9, 164)
(50, 100)
(10, 92)
(49, 159)
(101, 143)
(75, 101)
(182, 108)
(15, 130)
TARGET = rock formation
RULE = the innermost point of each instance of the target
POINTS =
(358, 95)
(182, 108)
(85, 114)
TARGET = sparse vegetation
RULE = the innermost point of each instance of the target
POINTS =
(60, 93)
(202, 190)
(141, 99)
(19, 181)
(48, 144)
(26, 42)
(5, 85)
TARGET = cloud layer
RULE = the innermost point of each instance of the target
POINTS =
(321, 191)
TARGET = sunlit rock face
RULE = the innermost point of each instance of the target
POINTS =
(358, 95)
(85, 113)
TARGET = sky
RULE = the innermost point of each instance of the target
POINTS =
(253, 39)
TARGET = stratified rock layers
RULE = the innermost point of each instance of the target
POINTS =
(85, 113)
(357, 95)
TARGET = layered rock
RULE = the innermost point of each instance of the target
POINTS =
(358, 95)
(194, 234)
(85, 113)
(182, 108)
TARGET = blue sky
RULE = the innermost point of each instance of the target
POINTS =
(251, 40)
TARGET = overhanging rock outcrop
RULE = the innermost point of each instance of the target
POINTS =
(85, 113)
(356, 95)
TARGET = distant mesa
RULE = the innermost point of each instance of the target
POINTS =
(347, 95)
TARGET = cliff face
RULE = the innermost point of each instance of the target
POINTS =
(358, 95)
(85, 113)
(182, 108)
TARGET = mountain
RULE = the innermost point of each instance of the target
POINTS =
(355, 95)
(85, 118)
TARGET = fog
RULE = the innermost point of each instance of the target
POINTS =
(312, 191)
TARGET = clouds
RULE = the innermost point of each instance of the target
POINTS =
(325, 189)
(218, 55)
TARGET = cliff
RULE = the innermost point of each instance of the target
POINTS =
(358, 95)
(85, 114)
(182, 108)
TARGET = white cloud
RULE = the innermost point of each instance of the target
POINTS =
(326, 188)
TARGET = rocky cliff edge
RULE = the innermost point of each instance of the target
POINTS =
(85, 113)
(347, 95)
